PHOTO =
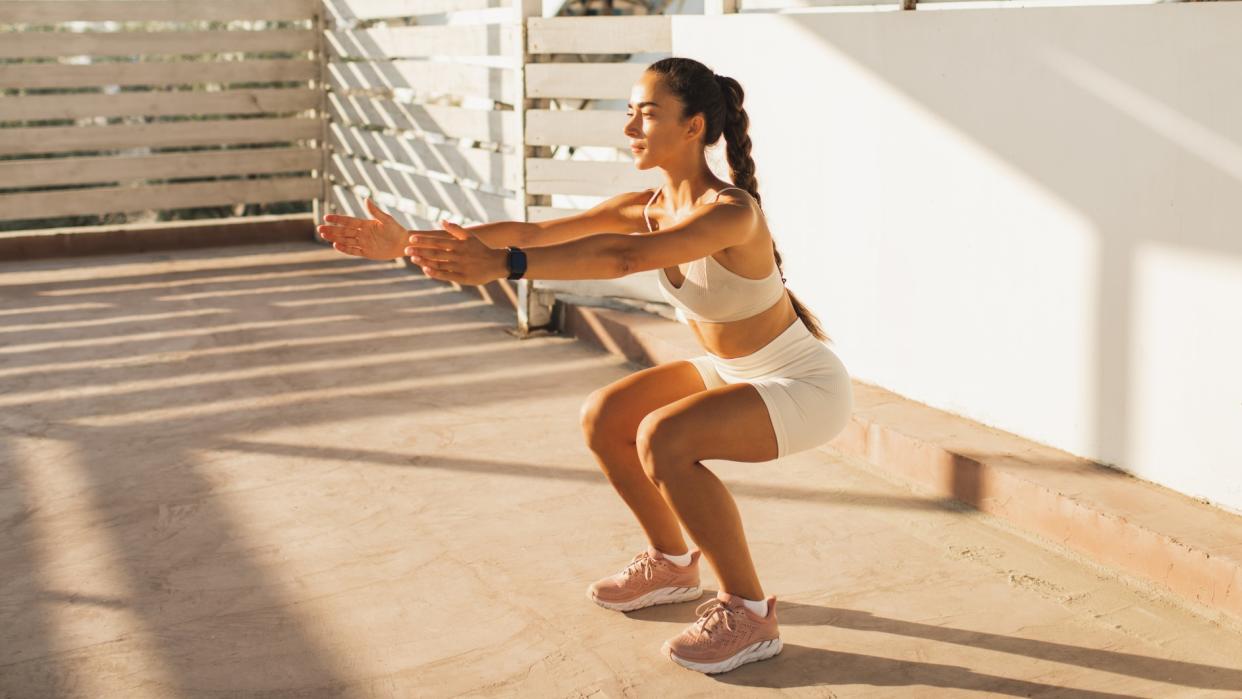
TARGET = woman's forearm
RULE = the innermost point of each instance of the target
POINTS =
(596, 256)
(502, 234)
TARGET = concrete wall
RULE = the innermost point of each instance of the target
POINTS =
(1030, 217)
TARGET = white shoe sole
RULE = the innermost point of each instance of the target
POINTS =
(664, 595)
(756, 651)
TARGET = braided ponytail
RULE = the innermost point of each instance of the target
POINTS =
(742, 169)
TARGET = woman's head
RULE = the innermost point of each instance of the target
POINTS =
(679, 107)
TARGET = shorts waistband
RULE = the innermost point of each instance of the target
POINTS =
(793, 343)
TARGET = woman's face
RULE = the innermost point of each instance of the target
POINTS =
(652, 123)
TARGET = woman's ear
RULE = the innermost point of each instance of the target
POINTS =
(696, 125)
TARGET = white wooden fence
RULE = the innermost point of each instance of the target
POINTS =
(97, 117)
(423, 109)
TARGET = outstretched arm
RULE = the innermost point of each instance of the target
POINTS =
(460, 257)
(456, 255)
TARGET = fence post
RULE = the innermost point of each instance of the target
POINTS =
(320, 205)
(534, 306)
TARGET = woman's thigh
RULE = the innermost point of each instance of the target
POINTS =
(611, 413)
(806, 411)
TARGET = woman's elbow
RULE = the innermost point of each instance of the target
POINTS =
(622, 260)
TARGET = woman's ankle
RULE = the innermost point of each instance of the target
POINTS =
(672, 550)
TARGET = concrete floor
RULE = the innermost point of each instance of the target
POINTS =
(275, 471)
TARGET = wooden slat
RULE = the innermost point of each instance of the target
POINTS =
(582, 80)
(39, 44)
(157, 103)
(435, 193)
(55, 11)
(249, 161)
(484, 166)
(603, 34)
(487, 125)
(549, 176)
(770, 5)
(545, 213)
(75, 202)
(346, 11)
(21, 141)
(48, 75)
(577, 127)
(410, 214)
(494, 15)
(426, 77)
(405, 42)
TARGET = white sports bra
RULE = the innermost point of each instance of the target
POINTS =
(713, 294)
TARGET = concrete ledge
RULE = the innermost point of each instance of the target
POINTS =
(164, 235)
(1158, 537)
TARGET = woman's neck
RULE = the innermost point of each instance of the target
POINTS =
(686, 196)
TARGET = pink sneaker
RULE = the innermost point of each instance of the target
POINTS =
(726, 635)
(649, 579)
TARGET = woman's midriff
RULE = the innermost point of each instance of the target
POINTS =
(739, 338)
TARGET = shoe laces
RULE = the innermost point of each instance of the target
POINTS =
(642, 562)
(718, 613)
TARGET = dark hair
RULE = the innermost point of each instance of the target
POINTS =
(719, 99)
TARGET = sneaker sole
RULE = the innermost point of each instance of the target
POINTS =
(664, 595)
(756, 651)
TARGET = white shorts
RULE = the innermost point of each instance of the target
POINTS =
(803, 383)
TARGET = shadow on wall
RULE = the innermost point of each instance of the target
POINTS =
(1145, 148)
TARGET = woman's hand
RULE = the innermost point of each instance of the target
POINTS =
(380, 238)
(455, 255)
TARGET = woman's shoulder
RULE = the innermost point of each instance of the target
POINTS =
(734, 193)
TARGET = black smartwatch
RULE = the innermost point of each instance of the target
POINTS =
(516, 262)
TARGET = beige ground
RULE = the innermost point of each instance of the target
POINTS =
(280, 472)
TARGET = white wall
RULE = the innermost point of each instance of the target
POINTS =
(1030, 217)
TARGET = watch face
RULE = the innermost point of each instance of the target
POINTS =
(516, 262)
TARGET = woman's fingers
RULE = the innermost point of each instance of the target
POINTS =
(432, 250)
(337, 233)
(438, 269)
(434, 242)
(432, 235)
(349, 221)
(422, 255)
(344, 230)
(434, 247)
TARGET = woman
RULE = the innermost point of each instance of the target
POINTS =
(767, 386)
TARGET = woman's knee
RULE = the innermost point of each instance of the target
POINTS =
(656, 441)
(600, 424)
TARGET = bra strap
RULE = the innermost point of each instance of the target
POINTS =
(645, 217)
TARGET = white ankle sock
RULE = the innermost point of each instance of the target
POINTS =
(683, 560)
(759, 607)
